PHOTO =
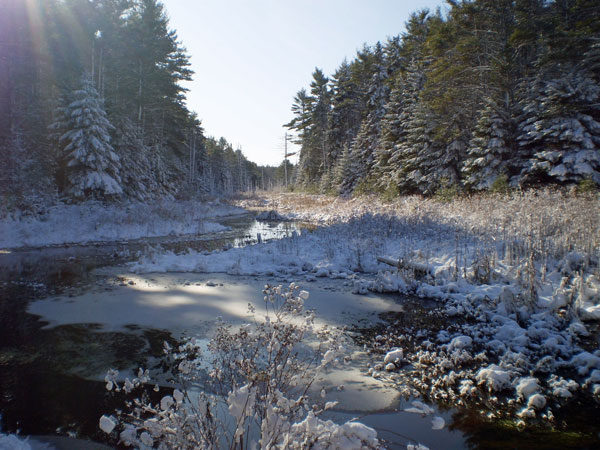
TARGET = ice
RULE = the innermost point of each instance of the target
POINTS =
(437, 423)
(107, 424)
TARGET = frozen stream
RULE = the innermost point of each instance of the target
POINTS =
(189, 303)
(67, 314)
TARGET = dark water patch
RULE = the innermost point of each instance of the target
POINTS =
(502, 434)
(45, 385)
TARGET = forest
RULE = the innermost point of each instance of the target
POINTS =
(92, 106)
(489, 94)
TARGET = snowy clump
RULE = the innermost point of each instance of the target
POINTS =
(416, 447)
(438, 423)
(460, 342)
(536, 401)
(584, 362)
(419, 407)
(323, 435)
(107, 424)
(562, 388)
(526, 387)
(12, 442)
(393, 356)
(494, 377)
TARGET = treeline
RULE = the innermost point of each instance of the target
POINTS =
(502, 92)
(92, 106)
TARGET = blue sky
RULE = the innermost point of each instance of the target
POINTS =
(252, 56)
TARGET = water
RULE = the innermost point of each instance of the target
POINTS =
(48, 376)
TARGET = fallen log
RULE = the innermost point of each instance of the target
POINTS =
(420, 269)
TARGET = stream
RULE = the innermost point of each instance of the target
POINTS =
(69, 313)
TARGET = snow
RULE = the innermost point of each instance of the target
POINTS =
(107, 424)
(527, 387)
(241, 402)
(328, 435)
(437, 423)
(460, 342)
(419, 407)
(393, 356)
(585, 361)
(93, 222)
(494, 377)
(12, 442)
(536, 401)
(506, 337)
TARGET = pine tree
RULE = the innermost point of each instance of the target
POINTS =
(392, 131)
(92, 166)
(368, 138)
(136, 168)
(341, 171)
(492, 148)
(345, 115)
(415, 165)
(563, 129)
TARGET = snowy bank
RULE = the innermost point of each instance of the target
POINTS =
(94, 222)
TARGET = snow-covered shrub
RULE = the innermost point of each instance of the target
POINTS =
(250, 387)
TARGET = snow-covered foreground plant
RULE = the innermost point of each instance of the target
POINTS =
(249, 388)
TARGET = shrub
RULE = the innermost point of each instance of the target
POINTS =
(251, 388)
(586, 186)
(447, 192)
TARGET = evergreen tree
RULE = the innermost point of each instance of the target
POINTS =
(136, 168)
(492, 148)
(562, 129)
(345, 115)
(91, 165)
(368, 138)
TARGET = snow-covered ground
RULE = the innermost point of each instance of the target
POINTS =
(516, 279)
(94, 222)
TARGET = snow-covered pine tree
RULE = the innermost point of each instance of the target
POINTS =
(492, 146)
(368, 138)
(341, 170)
(392, 132)
(414, 166)
(136, 173)
(345, 116)
(564, 136)
(413, 133)
(92, 166)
